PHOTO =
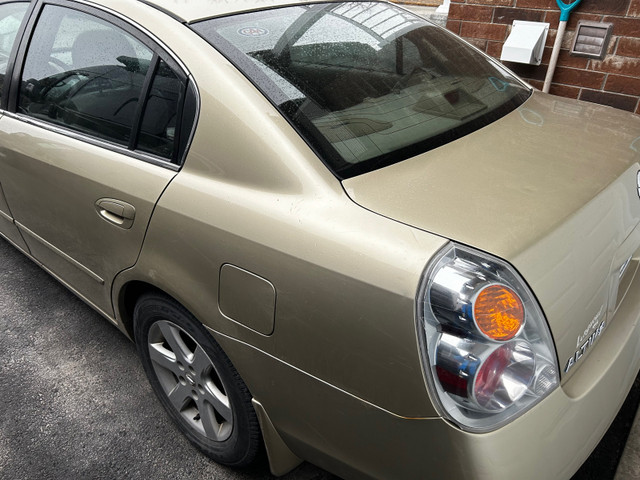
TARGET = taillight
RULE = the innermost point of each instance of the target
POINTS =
(488, 348)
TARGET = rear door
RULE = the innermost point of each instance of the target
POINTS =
(89, 143)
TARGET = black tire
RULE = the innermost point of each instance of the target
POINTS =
(196, 382)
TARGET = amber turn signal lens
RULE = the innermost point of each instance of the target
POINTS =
(498, 312)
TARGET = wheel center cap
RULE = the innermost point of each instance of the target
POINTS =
(190, 379)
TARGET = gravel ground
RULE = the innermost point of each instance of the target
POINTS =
(75, 401)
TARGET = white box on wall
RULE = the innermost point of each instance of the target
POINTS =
(525, 43)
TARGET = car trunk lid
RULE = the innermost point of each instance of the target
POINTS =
(552, 188)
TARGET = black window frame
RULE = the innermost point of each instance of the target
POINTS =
(188, 100)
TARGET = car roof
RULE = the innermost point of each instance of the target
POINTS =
(192, 10)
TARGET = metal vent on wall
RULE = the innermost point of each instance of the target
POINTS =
(591, 39)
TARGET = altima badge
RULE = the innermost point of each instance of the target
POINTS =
(585, 346)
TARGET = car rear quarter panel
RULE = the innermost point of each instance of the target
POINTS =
(252, 194)
(345, 282)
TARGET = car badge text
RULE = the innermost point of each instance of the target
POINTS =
(584, 347)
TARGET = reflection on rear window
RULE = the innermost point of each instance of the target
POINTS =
(367, 84)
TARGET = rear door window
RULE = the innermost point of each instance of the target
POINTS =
(88, 74)
(84, 74)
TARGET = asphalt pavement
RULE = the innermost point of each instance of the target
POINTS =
(75, 403)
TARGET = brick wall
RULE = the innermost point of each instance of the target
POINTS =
(613, 81)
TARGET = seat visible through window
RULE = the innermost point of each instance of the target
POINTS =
(94, 48)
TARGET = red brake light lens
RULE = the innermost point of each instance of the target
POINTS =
(504, 376)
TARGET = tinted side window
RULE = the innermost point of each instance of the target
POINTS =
(159, 122)
(84, 74)
(11, 15)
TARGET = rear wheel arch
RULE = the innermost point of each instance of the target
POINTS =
(128, 297)
(281, 459)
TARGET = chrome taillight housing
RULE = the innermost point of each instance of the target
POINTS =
(487, 348)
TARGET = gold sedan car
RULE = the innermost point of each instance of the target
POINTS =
(333, 229)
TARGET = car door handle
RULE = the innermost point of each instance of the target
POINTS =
(116, 212)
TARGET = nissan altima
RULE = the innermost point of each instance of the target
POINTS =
(336, 232)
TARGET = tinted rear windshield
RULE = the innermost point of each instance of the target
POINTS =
(366, 84)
